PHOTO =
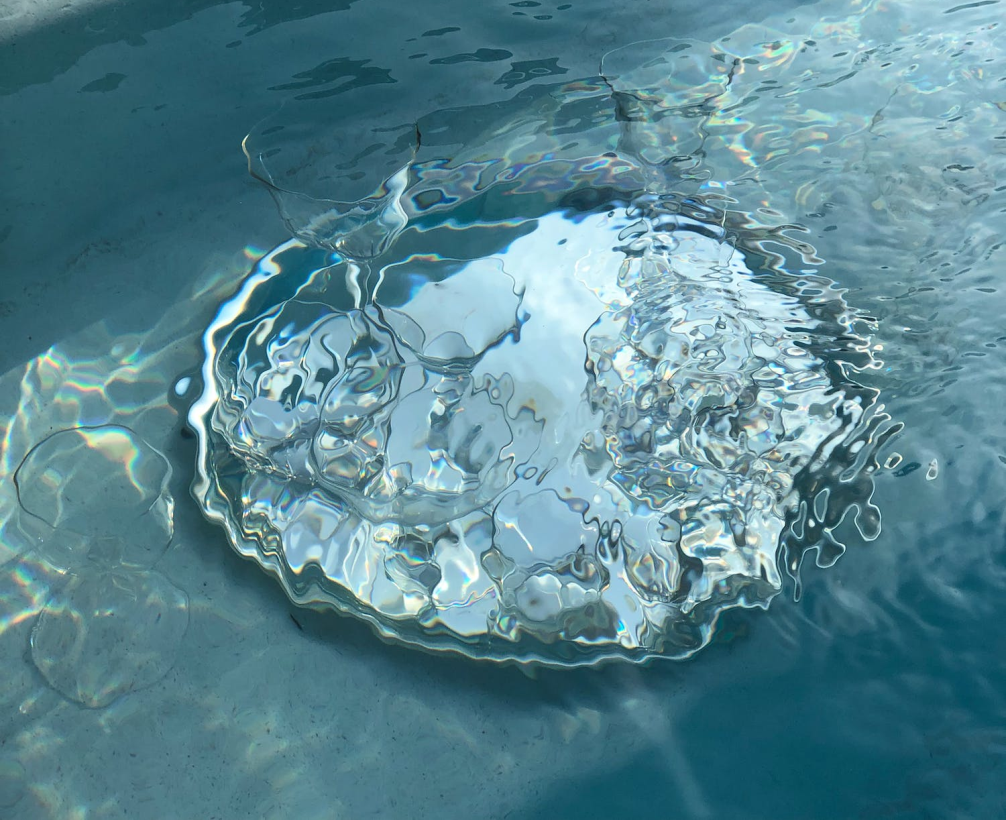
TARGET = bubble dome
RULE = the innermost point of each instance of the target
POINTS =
(524, 406)
(583, 447)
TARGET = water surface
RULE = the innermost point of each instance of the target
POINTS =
(877, 694)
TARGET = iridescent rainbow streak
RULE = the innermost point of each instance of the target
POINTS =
(27, 596)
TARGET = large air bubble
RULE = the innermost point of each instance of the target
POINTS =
(582, 443)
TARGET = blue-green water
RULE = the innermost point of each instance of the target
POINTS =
(148, 671)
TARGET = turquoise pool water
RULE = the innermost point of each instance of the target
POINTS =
(846, 154)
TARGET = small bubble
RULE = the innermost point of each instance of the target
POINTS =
(109, 632)
(182, 386)
(104, 484)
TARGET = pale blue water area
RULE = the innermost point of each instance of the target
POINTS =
(662, 340)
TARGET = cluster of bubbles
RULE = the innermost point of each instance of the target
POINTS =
(98, 499)
(566, 383)
(583, 446)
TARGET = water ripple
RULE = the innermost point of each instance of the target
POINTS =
(700, 411)
(581, 443)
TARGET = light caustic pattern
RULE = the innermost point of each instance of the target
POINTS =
(582, 447)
